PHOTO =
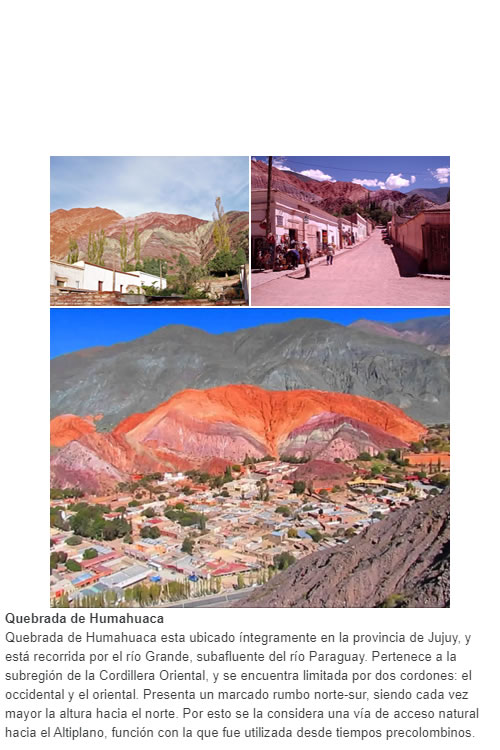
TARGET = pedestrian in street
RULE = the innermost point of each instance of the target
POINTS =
(329, 255)
(306, 257)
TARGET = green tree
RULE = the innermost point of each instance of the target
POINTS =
(221, 230)
(90, 553)
(299, 487)
(73, 251)
(292, 533)
(364, 456)
(74, 541)
(283, 510)
(73, 565)
(150, 532)
(137, 245)
(123, 248)
(188, 545)
(283, 560)
(315, 535)
(95, 247)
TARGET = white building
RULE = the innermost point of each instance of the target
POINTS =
(90, 277)
(293, 219)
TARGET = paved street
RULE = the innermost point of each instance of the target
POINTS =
(217, 600)
(367, 275)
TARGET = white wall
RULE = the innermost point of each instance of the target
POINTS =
(92, 275)
(148, 279)
(69, 276)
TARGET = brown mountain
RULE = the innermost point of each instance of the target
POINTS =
(332, 196)
(77, 222)
(160, 235)
(401, 561)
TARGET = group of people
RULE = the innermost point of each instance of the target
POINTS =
(288, 254)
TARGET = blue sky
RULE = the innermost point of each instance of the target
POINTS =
(134, 185)
(402, 173)
(75, 329)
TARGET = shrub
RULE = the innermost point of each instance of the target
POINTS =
(74, 541)
(315, 535)
(364, 456)
(283, 560)
(73, 565)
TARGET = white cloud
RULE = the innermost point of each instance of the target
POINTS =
(137, 185)
(393, 182)
(396, 181)
(317, 174)
(441, 174)
(283, 167)
(413, 179)
(369, 183)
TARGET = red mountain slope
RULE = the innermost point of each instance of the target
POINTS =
(219, 425)
(77, 222)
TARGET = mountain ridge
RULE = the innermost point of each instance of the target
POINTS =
(161, 235)
(218, 426)
(301, 354)
(333, 196)
(400, 561)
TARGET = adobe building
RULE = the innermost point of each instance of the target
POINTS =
(294, 220)
(425, 237)
(90, 277)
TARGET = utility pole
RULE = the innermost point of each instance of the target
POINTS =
(268, 204)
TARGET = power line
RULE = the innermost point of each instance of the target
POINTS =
(346, 169)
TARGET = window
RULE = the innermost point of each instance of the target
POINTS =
(60, 282)
(279, 220)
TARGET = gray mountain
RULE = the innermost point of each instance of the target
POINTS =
(437, 195)
(432, 332)
(135, 376)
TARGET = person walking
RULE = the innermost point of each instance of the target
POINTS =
(329, 255)
(306, 257)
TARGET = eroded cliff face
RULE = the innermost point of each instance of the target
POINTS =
(328, 436)
(213, 427)
(77, 222)
(160, 235)
(402, 561)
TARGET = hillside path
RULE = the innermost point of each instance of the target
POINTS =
(366, 275)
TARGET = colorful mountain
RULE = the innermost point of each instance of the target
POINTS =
(332, 196)
(160, 235)
(214, 427)
(302, 354)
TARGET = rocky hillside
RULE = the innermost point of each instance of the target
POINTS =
(301, 354)
(77, 222)
(222, 425)
(437, 195)
(401, 561)
(332, 196)
(160, 235)
(432, 332)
